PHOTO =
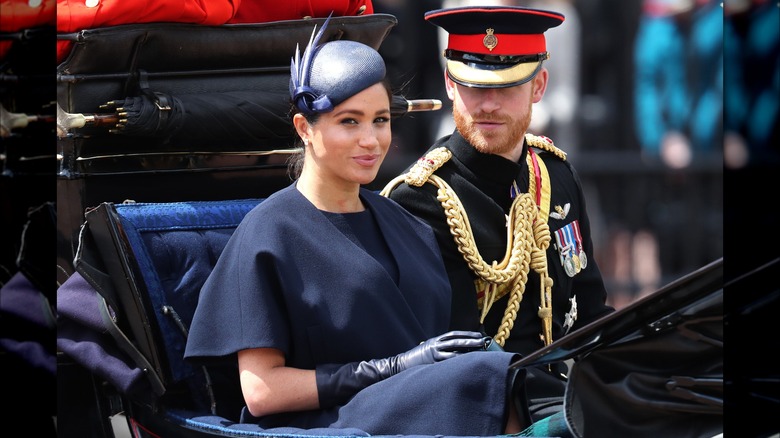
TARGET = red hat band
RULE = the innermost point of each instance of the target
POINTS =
(498, 44)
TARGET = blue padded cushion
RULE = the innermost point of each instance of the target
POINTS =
(216, 425)
(176, 246)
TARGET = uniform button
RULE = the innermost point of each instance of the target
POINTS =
(361, 10)
(92, 3)
(307, 17)
(34, 3)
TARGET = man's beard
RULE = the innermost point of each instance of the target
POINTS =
(492, 143)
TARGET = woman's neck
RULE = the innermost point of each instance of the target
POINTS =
(330, 197)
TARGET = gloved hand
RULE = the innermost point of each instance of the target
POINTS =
(338, 383)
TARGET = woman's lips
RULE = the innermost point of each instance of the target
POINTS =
(366, 160)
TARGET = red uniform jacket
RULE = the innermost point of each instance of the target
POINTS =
(75, 15)
(16, 15)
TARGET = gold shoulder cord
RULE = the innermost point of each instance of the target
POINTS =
(545, 144)
(528, 238)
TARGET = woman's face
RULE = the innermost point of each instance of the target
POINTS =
(348, 144)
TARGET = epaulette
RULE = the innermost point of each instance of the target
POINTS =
(426, 165)
(545, 144)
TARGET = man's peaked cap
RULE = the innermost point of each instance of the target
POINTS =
(494, 46)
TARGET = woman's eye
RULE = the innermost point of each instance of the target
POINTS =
(349, 121)
(381, 120)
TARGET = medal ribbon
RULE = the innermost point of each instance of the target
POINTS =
(538, 183)
(577, 235)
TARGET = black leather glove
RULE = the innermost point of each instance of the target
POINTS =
(337, 383)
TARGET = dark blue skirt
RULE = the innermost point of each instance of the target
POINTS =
(467, 395)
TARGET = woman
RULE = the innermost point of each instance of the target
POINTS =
(326, 290)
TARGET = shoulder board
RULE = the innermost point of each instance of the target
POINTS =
(545, 144)
(426, 165)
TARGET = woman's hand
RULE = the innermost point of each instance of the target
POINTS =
(338, 383)
(439, 348)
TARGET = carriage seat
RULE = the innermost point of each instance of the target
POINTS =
(139, 270)
(145, 263)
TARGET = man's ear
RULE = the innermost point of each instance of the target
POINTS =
(449, 84)
(540, 84)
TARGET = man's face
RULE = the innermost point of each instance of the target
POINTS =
(494, 120)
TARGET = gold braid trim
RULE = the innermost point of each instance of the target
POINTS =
(420, 171)
(539, 264)
(541, 230)
(545, 144)
(527, 240)
(425, 166)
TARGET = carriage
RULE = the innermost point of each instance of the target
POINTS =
(155, 170)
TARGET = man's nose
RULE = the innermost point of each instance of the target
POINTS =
(489, 99)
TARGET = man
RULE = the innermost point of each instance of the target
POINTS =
(507, 208)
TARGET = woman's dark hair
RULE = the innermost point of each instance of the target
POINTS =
(295, 161)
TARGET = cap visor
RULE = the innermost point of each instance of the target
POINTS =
(480, 78)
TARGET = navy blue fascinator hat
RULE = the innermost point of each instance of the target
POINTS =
(332, 72)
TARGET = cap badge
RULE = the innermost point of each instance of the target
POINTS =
(490, 41)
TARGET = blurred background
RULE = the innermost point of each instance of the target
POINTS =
(27, 214)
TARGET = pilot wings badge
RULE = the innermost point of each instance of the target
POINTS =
(560, 212)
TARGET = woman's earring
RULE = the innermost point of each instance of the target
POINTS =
(305, 141)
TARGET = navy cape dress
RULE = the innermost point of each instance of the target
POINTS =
(290, 279)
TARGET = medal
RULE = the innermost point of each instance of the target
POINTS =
(568, 266)
(576, 259)
(580, 250)
(583, 260)
(566, 246)
(569, 243)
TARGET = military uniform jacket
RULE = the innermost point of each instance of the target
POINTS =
(483, 183)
